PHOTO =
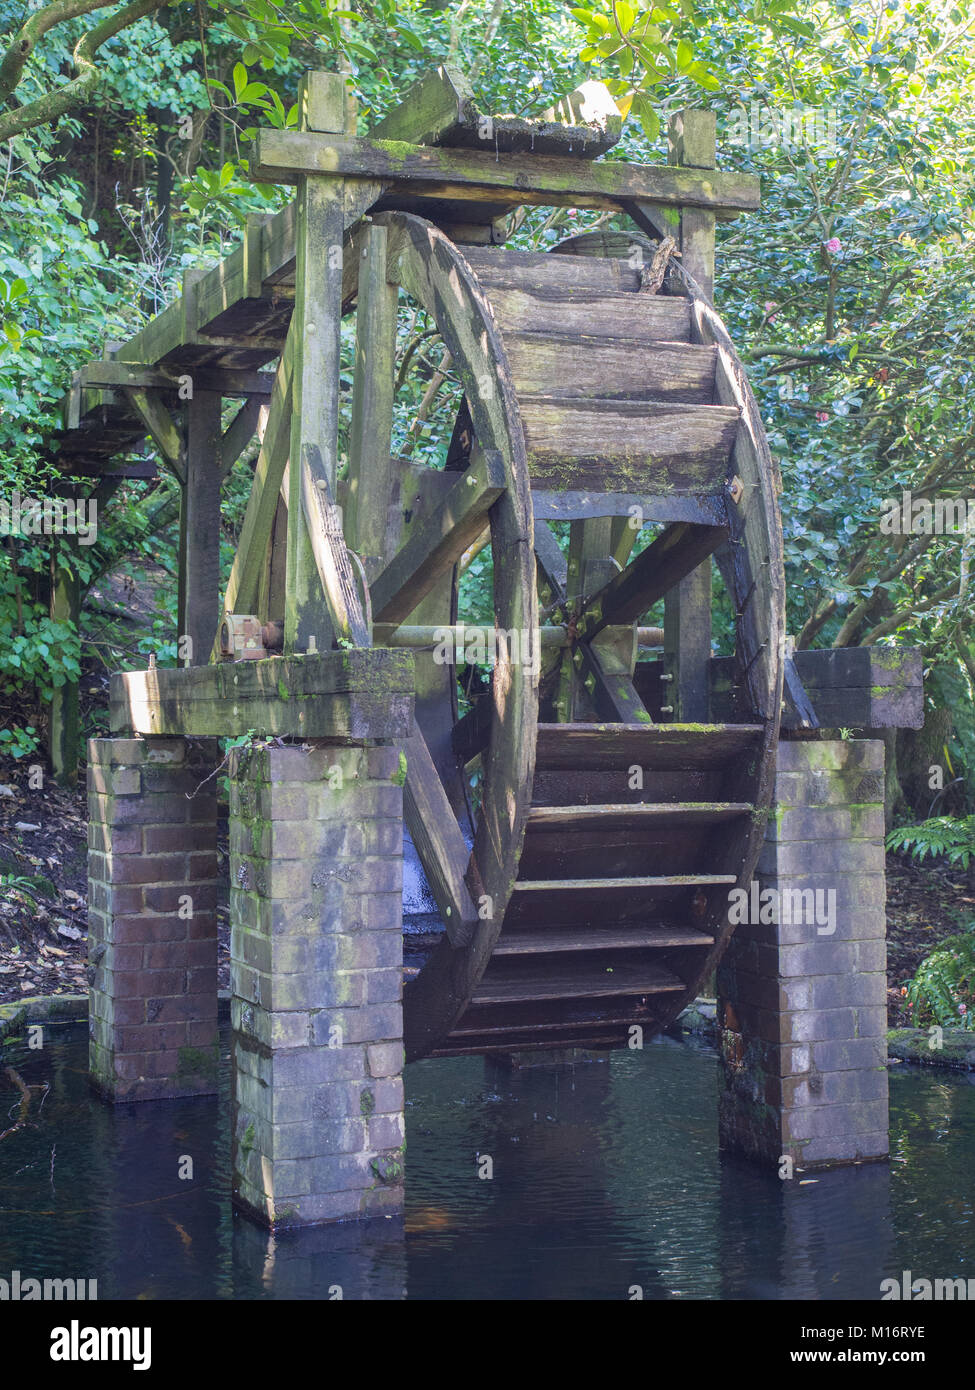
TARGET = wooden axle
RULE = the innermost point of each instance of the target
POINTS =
(462, 635)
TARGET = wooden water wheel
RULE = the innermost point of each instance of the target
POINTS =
(588, 892)
(583, 885)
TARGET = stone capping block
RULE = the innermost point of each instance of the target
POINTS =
(352, 696)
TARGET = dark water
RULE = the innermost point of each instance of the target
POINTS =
(606, 1177)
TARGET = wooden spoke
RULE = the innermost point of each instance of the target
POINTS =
(664, 563)
(438, 545)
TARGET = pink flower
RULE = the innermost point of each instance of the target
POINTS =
(822, 416)
(963, 1008)
(833, 245)
(770, 304)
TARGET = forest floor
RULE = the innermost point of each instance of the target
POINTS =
(44, 909)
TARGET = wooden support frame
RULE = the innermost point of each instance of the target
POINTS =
(467, 175)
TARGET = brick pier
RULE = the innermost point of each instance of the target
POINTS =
(802, 1003)
(152, 925)
(316, 881)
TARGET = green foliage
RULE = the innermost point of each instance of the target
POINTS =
(949, 837)
(18, 742)
(943, 988)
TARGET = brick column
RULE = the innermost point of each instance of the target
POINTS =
(152, 926)
(316, 978)
(802, 1002)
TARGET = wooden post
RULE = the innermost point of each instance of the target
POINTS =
(370, 465)
(691, 139)
(199, 531)
(63, 709)
(589, 568)
(316, 330)
(687, 646)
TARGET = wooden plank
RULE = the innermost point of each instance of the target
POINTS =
(605, 885)
(648, 318)
(284, 156)
(594, 984)
(440, 541)
(371, 470)
(199, 568)
(348, 695)
(558, 940)
(550, 275)
(579, 747)
(444, 853)
(622, 368)
(624, 816)
(627, 446)
(664, 563)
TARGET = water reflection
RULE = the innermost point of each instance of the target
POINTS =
(596, 1181)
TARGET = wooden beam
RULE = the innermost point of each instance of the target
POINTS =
(440, 541)
(347, 695)
(371, 469)
(430, 110)
(443, 851)
(440, 110)
(199, 568)
(245, 576)
(543, 180)
(161, 428)
(691, 136)
(238, 435)
(664, 563)
(227, 381)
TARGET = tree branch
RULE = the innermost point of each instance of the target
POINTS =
(54, 104)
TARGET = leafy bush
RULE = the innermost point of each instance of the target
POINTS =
(950, 836)
(943, 988)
